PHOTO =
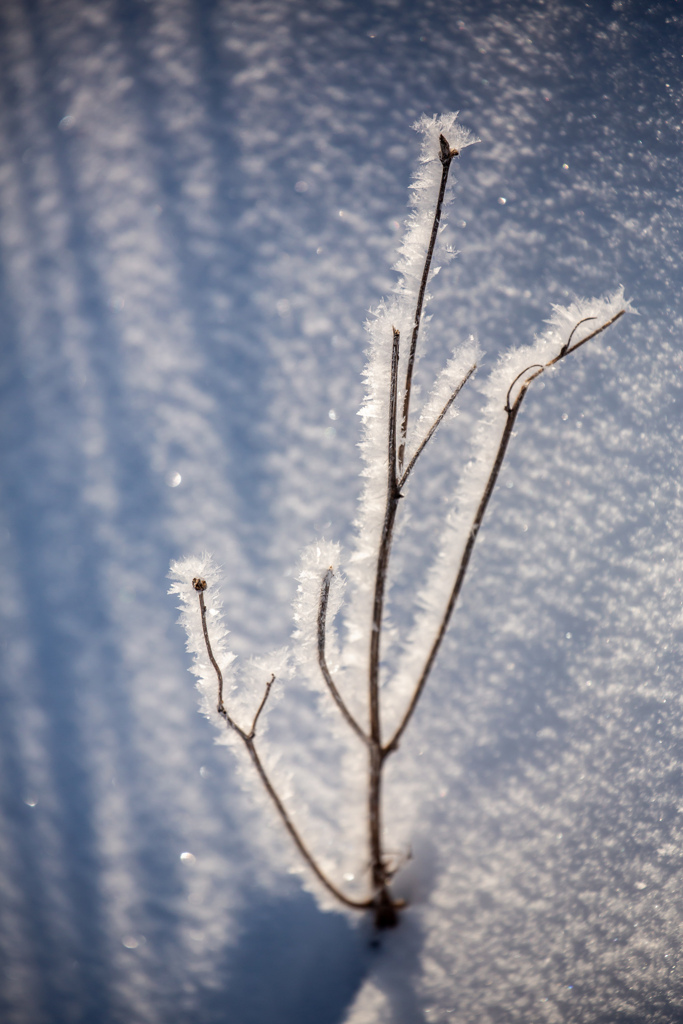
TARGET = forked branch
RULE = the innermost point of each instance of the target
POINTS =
(434, 427)
(511, 410)
(248, 740)
(381, 901)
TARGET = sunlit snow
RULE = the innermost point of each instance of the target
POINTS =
(181, 319)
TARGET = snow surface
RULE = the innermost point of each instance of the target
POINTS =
(201, 202)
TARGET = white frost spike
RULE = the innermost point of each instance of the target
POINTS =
(182, 573)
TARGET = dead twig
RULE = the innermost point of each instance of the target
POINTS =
(446, 154)
(248, 740)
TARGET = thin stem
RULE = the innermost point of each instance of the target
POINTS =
(266, 695)
(322, 661)
(200, 586)
(434, 427)
(589, 337)
(511, 411)
(248, 740)
(565, 347)
(384, 546)
(303, 850)
(375, 743)
(446, 155)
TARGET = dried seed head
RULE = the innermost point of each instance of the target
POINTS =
(199, 584)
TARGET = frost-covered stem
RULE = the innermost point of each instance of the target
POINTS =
(512, 411)
(248, 740)
(434, 427)
(303, 850)
(266, 695)
(393, 496)
(322, 661)
(446, 155)
(375, 744)
(200, 587)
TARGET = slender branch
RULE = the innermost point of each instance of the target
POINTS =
(525, 370)
(266, 695)
(393, 407)
(300, 845)
(589, 337)
(200, 586)
(511, 411)
(565, 347)
(434, 427)
(446, 155)
(384, 904)
(384, 546)
(248, 740)
(322, 661)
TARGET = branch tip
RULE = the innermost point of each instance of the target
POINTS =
(533, 366)
(322, 660)
(565, 348)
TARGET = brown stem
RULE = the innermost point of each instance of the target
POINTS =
(512, 411)
(434, 427)
(446, 155)
(200, 586)
(248, 740)
(303, 850)
(322, 661)
(266, 695)
(375, 744)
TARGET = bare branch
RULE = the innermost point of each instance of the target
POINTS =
(565, 347)
(248, 740)
(393, 406)
(512, 412)
(534, 366)
(298, 841)
(266, 695)
(322, 661)
(200, 586)
(384, 545)
(434, 427)
(385, 904)
(589, 337)
(446, 155)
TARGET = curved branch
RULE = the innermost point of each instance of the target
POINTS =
(266, 695)
(525, 370)
(589, 337)
(565, 347)
(248, 740)
(298, 841)
(200, 586)
(322, 619)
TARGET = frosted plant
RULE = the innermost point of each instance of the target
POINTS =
(393, 442)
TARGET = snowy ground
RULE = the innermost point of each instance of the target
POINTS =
(200, 202)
